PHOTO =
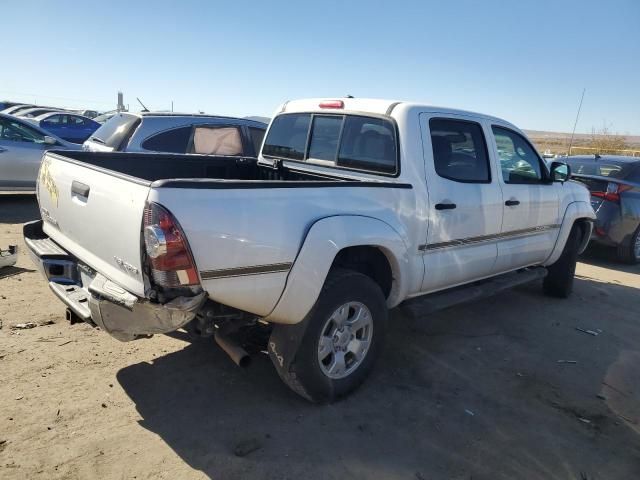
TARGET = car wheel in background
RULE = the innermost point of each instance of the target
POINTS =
(631, 253)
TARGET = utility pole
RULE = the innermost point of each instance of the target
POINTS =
(120, 107)
(171, 106)
(576, 122)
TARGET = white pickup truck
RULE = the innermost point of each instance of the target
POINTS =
(353, 207)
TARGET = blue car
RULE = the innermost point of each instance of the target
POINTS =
(68, 126)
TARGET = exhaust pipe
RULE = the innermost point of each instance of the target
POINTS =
(238, 354)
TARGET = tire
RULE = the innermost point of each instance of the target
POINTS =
(630, 253)
(559, 280)
(315, 373)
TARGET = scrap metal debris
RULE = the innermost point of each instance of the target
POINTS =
(590, 332)
(24, 326)
(9, 256)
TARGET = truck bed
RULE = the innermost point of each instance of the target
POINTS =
(238, 216)
(146, 168)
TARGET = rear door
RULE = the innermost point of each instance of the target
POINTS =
(531, 218)
(96, 215)
(465, 202)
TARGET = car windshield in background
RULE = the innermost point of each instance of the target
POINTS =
(115, 130)
(349, 141)
(607, 168)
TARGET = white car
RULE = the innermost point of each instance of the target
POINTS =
(353, 207)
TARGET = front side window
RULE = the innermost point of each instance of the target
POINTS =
(459, 151)
(217, 141)
(519, 162)
(17, 132)
(355, 142)
(174, 141)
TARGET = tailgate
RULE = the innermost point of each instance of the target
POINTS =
(96, 215)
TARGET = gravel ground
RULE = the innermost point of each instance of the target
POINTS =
(473, 392)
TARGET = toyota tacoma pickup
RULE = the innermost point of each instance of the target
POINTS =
(353, 207)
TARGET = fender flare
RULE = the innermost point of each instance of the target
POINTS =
(575, 211)
(324, 240)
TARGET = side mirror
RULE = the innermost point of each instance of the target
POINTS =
(50, 140)
(560, 172)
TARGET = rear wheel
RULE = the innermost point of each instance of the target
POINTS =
(341, 338)
(631, 253)
(559, 279)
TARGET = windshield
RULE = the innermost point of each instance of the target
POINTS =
(116, 131)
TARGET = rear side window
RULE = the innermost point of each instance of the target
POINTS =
(116, 131)
(355, 142)
(174, 141)
(257, 135)
(288, 136)
(217, 141)
(459, 151)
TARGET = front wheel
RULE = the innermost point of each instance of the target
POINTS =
(559, 279)
(337, 343)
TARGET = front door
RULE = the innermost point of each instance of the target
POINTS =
(21, 149)
(531, 219)
(465, 201)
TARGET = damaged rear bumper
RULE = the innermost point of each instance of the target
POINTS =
(100, 301)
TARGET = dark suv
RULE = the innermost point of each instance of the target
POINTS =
(614, 183)
(178, 133)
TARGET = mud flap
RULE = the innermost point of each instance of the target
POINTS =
(287, 344)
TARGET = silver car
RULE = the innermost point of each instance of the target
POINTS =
(21, 147)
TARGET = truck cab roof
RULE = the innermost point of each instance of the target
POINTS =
(375, 106)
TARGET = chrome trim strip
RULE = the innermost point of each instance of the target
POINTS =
(525, 232)
(244, 271)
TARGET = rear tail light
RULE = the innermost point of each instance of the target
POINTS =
(613, 192)
(332, 104)
(169, 255)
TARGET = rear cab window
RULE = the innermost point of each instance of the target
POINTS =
(347, 141)
(117, 131)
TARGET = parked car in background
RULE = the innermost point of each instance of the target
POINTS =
(8, 104)
(68, 126)
(178, 133)
(614, 183)
(21, 147)
(16, 108)
(87, 113)
(37, 111)
(105, 116)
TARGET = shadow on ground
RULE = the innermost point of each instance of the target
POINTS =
(606, 257)
(18, 208)
(472, 392)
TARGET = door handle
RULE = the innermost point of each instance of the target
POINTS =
(512, 203)
(2, 149)
(445, 206)
(80, 189)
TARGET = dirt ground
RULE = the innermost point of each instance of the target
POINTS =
(474, 392)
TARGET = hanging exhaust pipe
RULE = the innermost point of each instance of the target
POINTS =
(238, 354)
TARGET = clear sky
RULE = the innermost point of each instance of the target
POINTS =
(525, 61)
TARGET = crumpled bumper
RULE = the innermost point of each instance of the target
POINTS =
(100, 301)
